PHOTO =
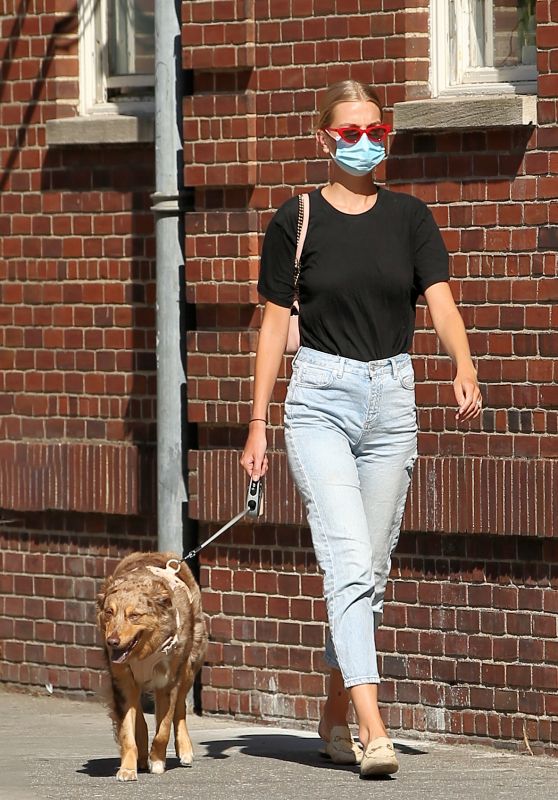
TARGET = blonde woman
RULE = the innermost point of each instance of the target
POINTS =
(350, 414)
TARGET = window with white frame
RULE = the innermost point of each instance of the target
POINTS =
(483, 46)
(117, 45)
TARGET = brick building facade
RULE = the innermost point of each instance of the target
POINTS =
(469, 646)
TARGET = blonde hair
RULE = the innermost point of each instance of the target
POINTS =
(345, 92)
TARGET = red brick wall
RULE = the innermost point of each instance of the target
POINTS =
(51, 565)
(468, 646)
(77, 380)
(77, 291)
(469, 642)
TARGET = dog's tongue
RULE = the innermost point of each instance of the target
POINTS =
(118, 656)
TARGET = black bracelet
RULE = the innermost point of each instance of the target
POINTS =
(257, 419)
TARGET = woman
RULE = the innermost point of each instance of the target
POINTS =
(350, 415)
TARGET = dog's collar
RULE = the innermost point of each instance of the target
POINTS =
(170, 643)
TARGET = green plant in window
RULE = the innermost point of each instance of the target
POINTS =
(526, 22)
(526, 30)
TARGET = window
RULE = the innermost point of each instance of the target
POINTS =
(117, 44)
(481, 46)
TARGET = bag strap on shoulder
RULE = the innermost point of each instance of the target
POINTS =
(302, 228)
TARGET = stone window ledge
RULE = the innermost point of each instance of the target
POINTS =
(100, 129)
(457, 113)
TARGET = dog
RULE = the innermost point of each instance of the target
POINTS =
(150, 617)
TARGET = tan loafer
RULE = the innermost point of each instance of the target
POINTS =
(379, 758)
(341, 748)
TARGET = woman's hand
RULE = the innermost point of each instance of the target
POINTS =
(254, 459)
(467, 394)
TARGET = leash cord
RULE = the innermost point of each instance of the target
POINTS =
(228, 525)
(252, 508)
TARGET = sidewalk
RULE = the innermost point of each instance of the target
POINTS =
(60, 749)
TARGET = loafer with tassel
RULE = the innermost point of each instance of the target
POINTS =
(341, 748)
(379, 758)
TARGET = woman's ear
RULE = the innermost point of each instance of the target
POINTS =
(322, 141)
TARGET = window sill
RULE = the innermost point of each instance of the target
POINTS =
(100, 129)
(457, 113)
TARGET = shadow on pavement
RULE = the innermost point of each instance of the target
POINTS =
(280, 746)
(407, 750)
(284, 747)
(100, 767)
(108, 767)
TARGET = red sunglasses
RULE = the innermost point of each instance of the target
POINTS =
(352, 133)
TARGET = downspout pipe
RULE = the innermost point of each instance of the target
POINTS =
(167, 207)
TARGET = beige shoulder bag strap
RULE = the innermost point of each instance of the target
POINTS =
(293, 336)
(302, 228)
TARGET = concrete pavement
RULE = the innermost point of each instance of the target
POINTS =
(58, 749)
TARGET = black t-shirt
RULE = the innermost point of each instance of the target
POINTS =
(361, 274)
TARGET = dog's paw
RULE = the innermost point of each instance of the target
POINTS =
(156, 767)
(126, 774)
(184, 751)
(143, 763)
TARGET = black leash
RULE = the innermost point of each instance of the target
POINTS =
(252, 508)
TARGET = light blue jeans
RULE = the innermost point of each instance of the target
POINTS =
(351, 436)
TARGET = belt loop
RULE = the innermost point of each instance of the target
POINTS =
(295, 357)
(394, 366)
(340, 366)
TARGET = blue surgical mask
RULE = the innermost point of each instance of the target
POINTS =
(359, 158)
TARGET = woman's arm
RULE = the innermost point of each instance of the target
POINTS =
(450, 329)
(271, 346)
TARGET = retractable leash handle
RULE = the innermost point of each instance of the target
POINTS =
(252, 508)
(254, 499)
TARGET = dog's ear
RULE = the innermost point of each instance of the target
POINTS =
(163, 600)
(160, 596)
(100, 598)
(100, 601)
(100, 605)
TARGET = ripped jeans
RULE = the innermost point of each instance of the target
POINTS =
(351, 436)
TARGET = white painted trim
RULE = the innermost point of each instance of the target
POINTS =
(102, 52)
(489, 33)
(87, 55)
(93, 66)
(526, 88)
(456, 75)
(129, 108)
(524, 72)
(438, 30)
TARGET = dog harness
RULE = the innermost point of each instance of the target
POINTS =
(143, 671)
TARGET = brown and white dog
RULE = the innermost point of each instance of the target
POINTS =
(151, 620)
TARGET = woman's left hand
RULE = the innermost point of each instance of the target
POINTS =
(467, 394)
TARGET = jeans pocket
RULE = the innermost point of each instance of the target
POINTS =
(311, 376)
(407, 377)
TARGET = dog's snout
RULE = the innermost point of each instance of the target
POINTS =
(113, 641)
